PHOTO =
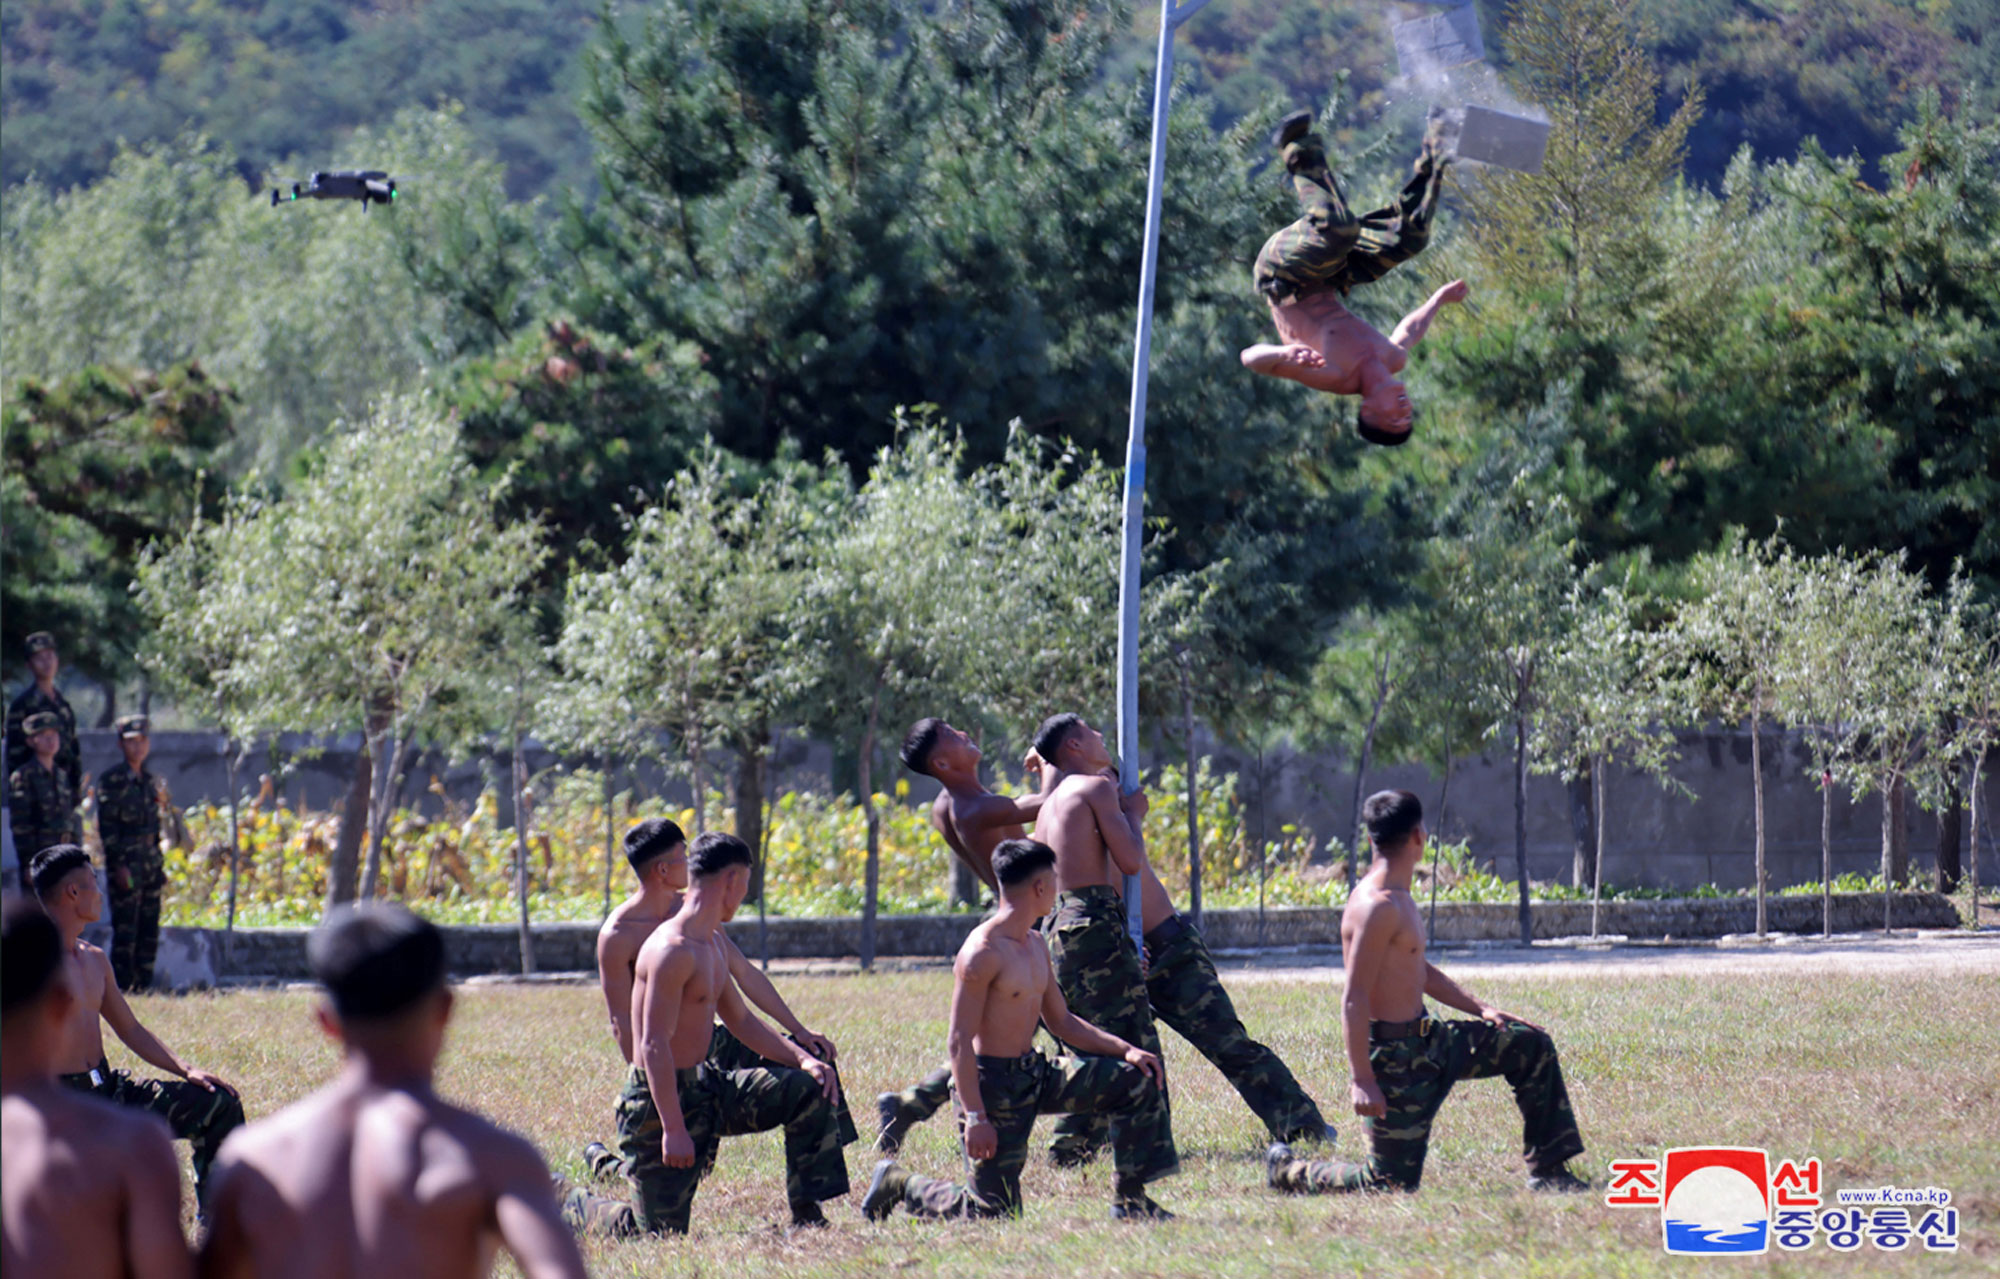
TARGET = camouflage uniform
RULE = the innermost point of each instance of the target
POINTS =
(1098, 969)
(32, 701)
(1416, 1072)
(128, 822)
(715, 1104)
(41, 806)
(1185, 992)
(202, 1117)
(727, 1052)
(1329, 249)
(1015, 1090)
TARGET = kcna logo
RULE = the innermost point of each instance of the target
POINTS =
(1730, 1200)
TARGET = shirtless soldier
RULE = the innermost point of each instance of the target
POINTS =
(375, 1174)
(86, 1189)
(657, 852)
(1404, 1063)
(972, 820)
(1305, 269)
(677, 1106)
(1098, 839)
(196, 1105)
(1001, 985)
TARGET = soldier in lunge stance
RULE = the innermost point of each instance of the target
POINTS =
(1001, 984)
(1404, 1062)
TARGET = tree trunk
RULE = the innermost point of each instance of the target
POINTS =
(1977, 814)
(1521, 825)
(1444, 787)
(865, 780)
(1597, 851)
(698, 778)
(1583, 852)
(392, 761)
(747, 794)
(1826, 853)
(235, 855)
(1193, 793)
(763, 924)
(1950, 830)
(346, 861)
(1896, 833)
(1757, 788)
(1382, 690)
(519, 775)
(610, 830)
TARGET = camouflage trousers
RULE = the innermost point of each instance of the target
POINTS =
(714, 1104)
(1098, 969)
(1187, 994)
(1329, 248)
(1416, 1074)
(200, 1117)
(1015, 1090)
(727, 1052)
(135, 922)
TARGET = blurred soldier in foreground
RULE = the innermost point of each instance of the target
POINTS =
(86, 1189)
(375, 1174)
(196, 1105)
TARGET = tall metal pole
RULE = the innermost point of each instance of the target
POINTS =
(1135, 444)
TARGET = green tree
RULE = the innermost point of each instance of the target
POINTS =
(368, 596)
(97, 465)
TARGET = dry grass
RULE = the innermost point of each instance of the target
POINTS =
(1890, 1080)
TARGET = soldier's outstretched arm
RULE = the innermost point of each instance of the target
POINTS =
(1452, 995)
(125, 1024)
(530, 1221)
(1418, 322)
(1118, 823)
(757, 988)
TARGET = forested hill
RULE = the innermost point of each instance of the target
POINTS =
(285, 80)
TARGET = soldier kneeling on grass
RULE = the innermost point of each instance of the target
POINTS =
(1404, 1062)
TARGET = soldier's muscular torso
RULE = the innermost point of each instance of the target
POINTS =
(1396, 986)
(1068, 824)
(1020, 978)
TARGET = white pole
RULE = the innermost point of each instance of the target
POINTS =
(1135, 444)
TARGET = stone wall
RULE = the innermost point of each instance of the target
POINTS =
(191, 957)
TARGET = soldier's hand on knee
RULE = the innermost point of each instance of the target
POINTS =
(829, 1083)
(1148, 1064)
(982, 1139)
(817, 1044)
(677, 1150)
(1368, 1099)
(1504, 1019)
(208, 1081)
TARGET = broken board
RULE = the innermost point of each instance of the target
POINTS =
(1438, 42)
(1503, 139)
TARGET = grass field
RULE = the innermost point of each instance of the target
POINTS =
(1888, 1075)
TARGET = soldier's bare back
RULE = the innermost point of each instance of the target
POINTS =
(360, 1179)
(1070, 823)
(87, 1189)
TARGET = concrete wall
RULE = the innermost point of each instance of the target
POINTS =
(1654, 837)
(191, 957)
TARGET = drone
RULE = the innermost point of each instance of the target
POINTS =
(370, 186)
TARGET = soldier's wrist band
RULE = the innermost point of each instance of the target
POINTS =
(974, 1117)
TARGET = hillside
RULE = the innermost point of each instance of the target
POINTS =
(283, 80)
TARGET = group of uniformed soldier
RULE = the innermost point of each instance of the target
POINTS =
(45, 793)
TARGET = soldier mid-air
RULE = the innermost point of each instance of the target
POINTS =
(1305, 270)
(1002, 984)
(1404, 1062)
(375, 1174)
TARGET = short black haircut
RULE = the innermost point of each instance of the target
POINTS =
(1016, 861)
(54, 864)
(714, 852)
(922, 740)
(1380, 434)
(376, 960)
(1391, 816)
(654, 837)
(31, 954)
(1055, 730)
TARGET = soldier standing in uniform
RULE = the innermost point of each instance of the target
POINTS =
(41, 795)
(1001, 984)
(39, 696)
(128, 823)
(1404, 1063)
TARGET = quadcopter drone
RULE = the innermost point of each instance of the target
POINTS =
(370, 186)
